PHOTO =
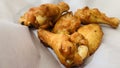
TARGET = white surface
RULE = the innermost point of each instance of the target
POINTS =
(13, 54)
(19, 48)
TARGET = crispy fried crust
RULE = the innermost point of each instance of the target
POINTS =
(88, 16)
(67, 24)
(93, 33)
(44, 15)
(68, 48)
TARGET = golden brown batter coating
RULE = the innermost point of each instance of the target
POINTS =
(67, 23)
(68, 48)
(93, 33)
(43, 16)
(88, 16)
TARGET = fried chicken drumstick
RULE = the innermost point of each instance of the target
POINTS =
(88, 16)
(43, 16)
(70, 49)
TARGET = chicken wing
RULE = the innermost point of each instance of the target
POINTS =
(43, 16)
(93, 33)
(70, 49)
(88, 16)
(67, 24)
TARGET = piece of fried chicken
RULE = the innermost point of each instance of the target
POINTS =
(67, 24)
(88, 16)
(70, 49)
(93, 33)
(44, 15)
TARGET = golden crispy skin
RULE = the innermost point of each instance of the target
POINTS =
(28, 18)
(67, 24)
(68, 48)
(93, 33)
(88, 16)
(44, 15)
